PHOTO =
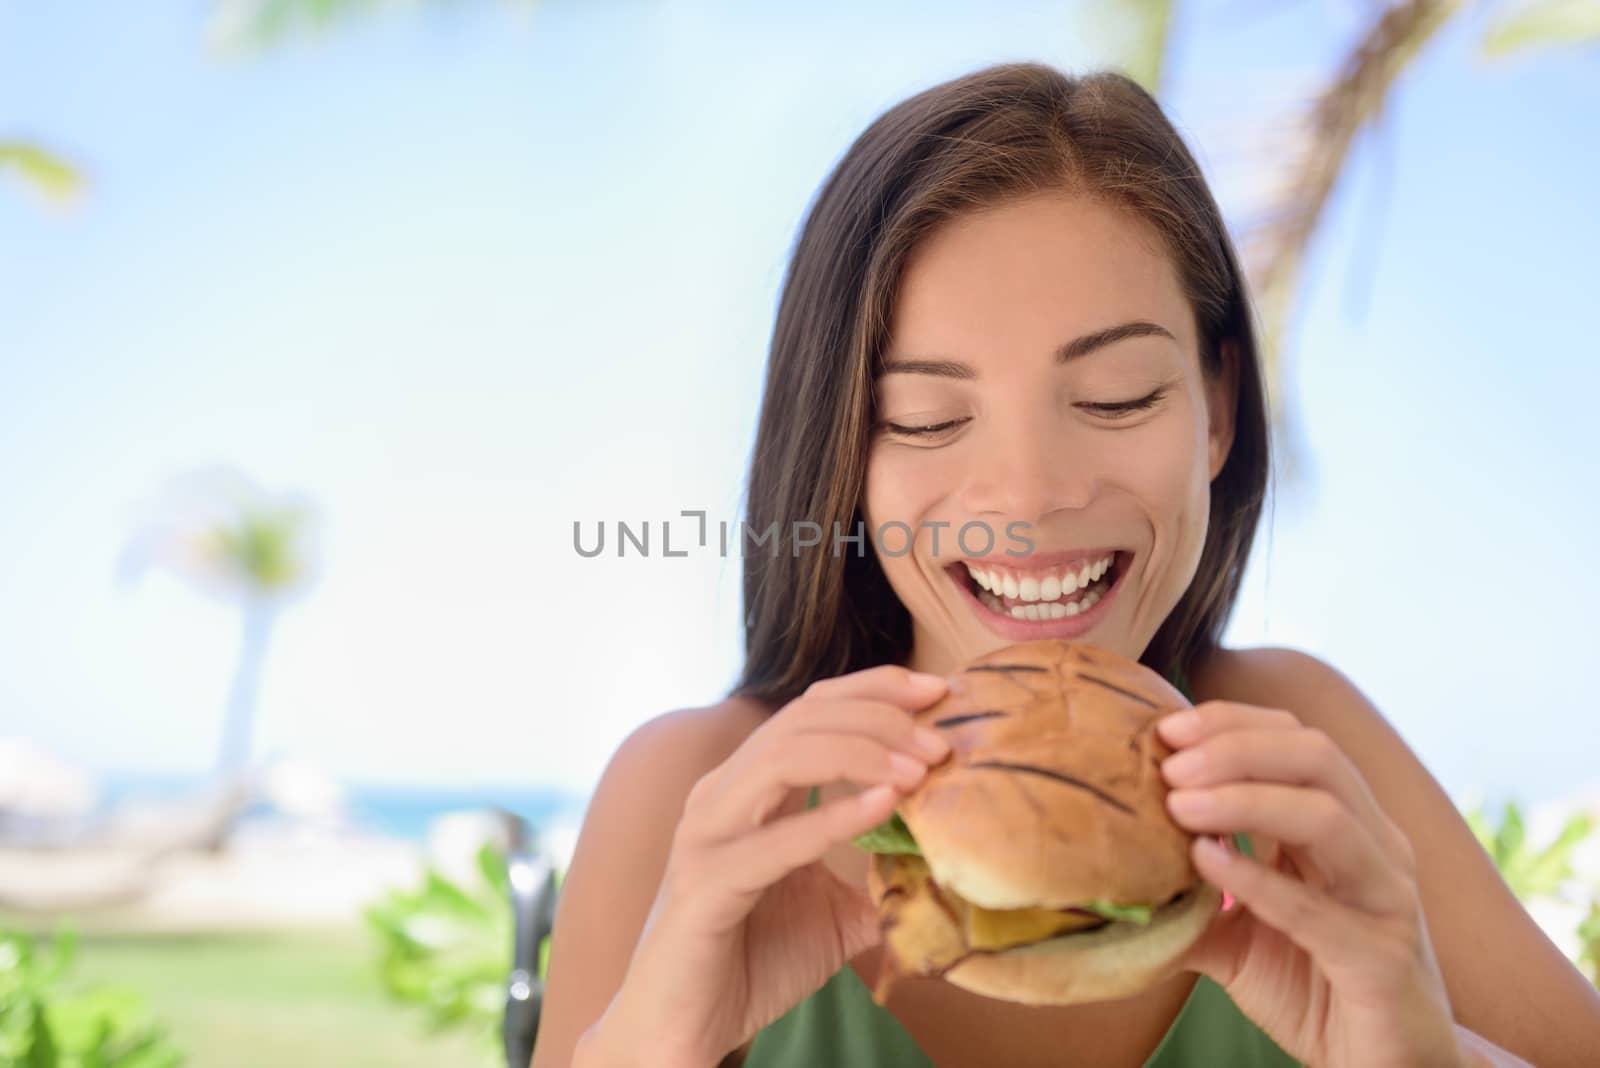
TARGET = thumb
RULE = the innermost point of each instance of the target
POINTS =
(855, 914)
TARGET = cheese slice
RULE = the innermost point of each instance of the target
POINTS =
(1004, 928)
(928, 927)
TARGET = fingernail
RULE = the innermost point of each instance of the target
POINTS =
(923, 680)
(1182, 765)
(874, 797)
(1179, 725)
(929, 743)
(1212, 851)
(906, 769)
(1188, 802)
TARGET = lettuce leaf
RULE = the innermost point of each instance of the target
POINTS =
(1139, 914)
(893, 836)
(890, 836)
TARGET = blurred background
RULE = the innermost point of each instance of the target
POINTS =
(325, 323)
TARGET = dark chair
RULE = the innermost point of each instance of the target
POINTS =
(533, 907)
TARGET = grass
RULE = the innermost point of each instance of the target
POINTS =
(308, 998)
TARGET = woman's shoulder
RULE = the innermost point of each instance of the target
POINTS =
(1278, 677)
(694, 739)
(621, 854)
(658, 763)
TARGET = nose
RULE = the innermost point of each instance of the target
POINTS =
(1028, 464)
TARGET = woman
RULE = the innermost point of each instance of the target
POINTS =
(1014, 308)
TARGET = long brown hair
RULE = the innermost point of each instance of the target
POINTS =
(1001, 132)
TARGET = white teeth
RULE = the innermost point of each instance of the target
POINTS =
(1048, 597)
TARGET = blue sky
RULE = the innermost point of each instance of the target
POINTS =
(465, 277)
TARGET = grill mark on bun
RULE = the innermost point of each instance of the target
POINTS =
(970, 717)
(1010, 667)
(1132, 695)
(1058, 776)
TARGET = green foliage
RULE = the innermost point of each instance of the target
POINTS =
(1589, 938)
(1131, 35)
(260, 549)
(246, 25)
(1541, 873)
(47, 173)
(44, 1024)
(1529, 873)
(1543, 24)
(447, 948)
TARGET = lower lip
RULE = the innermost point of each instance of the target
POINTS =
(1067, 627)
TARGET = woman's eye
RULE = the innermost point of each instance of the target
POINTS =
(926, 430)
(1123, 409)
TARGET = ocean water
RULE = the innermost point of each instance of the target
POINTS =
(393, 810)
(406, 813)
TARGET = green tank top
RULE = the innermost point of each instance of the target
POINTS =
(840, 1025)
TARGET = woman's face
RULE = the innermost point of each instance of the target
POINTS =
(1043, 385)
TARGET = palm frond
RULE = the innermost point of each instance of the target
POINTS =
(1274, 246)
(41, 169)
(1543, 24)
(1132, 35)
(256, 25)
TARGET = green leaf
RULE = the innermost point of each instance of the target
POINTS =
(46, 173)
(1508, 841)
(492, 866)
(1543, 873)
(64, 951)
(1543, 24)
(890, 836)
(448, 897)
(447, 950)
(1139, 914)
(1589, 940)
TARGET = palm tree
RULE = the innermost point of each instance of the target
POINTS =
(1275, 243)
(221, 533)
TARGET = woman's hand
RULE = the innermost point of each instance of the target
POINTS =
(747, 921)
(1329, 953)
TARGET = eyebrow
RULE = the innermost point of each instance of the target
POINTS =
(1075, 349)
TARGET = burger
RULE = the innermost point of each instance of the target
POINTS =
(1037, 864)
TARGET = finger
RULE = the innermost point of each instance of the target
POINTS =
(887, 723)
(1338, 937)
(911, 690)
(1312, 824)
(1304, 757)
(754, 862)
(1193, 725)
(773, 772)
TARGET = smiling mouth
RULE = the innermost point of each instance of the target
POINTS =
(1041, 595)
